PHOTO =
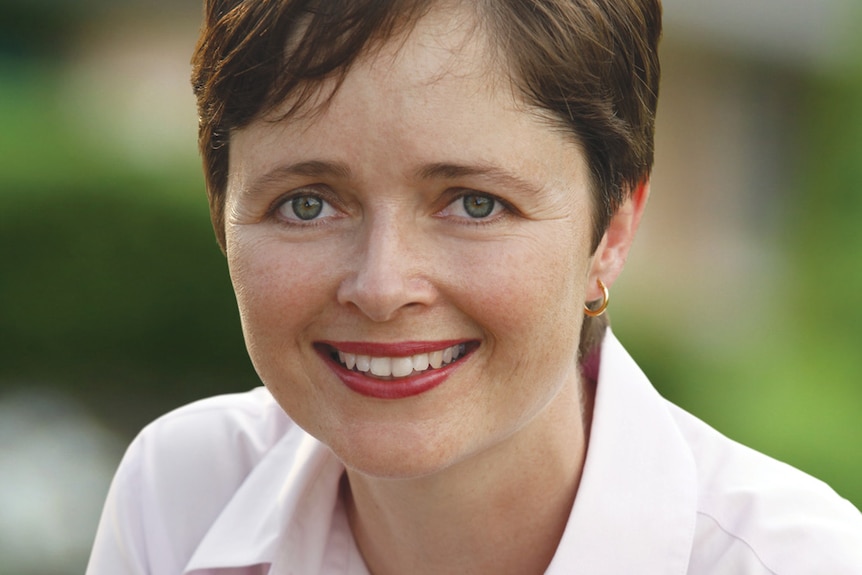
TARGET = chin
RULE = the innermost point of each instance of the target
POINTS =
(397, 455)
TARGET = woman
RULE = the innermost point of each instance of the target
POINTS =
(423, 205)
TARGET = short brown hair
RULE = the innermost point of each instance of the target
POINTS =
(591, 64)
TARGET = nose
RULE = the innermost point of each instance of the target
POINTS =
(388, 275)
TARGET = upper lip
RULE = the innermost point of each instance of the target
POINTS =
(397, 349)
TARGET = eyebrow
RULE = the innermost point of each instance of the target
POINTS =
(432, 171)
(495, 174)
(308, 169)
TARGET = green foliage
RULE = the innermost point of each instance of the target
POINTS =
(112, 286)
(790, 386)
(116, 294)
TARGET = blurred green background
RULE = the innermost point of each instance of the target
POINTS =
(741, 301)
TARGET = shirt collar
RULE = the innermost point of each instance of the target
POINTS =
(635, 509)
(287, 500)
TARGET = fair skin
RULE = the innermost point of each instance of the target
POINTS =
(478, 472)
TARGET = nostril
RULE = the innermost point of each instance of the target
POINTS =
(381, 299)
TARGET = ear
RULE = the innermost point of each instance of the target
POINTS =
(610, 255)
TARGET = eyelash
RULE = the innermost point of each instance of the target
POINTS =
(285, 201)
(505, 208)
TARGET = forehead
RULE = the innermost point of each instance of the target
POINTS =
(445, 42)
(448, 40)
(443, 50)
(433, 95)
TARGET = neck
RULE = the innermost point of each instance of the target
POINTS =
(503, 511)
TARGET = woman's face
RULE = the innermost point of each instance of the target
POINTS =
(423, 219)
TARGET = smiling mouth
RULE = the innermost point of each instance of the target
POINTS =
(394, 367)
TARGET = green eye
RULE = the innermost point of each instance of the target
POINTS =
(478, 206)
(307, 207)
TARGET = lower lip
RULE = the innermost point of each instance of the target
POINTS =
(392, 388)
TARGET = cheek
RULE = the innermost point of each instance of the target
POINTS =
(530, 275)
(282, 292)
(529, 297)
(277, 287)
(527, 301)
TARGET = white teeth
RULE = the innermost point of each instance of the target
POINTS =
(381, 366)
(349, 360)
(420, 362)
(363, 363)
(401, 366)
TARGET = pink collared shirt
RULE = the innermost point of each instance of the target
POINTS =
(230, 486)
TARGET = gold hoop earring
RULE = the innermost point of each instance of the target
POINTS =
(605, 299)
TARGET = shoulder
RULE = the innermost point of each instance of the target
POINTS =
(758, 515)
(201, 452)
(178, 475)
(245, 425)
